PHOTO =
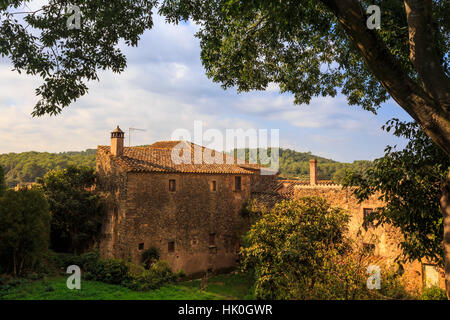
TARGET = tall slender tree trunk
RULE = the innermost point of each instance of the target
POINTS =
(445, 206)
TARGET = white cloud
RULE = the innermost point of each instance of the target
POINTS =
(165, 88)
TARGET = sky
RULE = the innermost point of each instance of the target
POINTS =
(164, 89)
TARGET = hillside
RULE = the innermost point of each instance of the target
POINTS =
(27, 166)
(295, 165)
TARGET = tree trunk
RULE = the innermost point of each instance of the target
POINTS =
(445, 206)
(428, 105)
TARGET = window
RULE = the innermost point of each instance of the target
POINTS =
(212, 239)
(141, 246)
(213, 186)
(430, 275)
(171, 246)
(237, 183)
(172, 185)
(367, 212)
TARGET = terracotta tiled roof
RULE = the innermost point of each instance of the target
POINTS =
(158, 158)
(286, 187)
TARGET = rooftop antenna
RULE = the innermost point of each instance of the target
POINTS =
(129, 134)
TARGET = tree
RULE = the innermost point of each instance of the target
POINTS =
(410, 182)
(300, 250)
(76, 210)
(2, 181)
(24, 229)
(43, 42)
(309, 48)
(288, 246)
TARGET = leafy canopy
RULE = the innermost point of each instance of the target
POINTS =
(288, 246)
(248, 44)
(76, 211)
(300, 250)
(39, 43)
(2, 181)
(24, 229)
(299, 45)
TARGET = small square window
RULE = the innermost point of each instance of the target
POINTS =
(172, 185)
(212, 239)
(171, 246)
(141, 246)
(214, 186)
(367, 212)
(237, 183)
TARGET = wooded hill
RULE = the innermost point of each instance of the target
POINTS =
(27, 166)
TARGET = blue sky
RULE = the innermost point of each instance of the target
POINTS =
(165, 88)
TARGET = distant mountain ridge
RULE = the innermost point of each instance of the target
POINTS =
(28, 166)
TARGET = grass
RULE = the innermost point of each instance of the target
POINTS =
(232, 286)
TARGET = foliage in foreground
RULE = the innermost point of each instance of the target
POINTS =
(2, 181)
(410, 183)
(116, 271)
(24, 229)
(434, 293)
(299, 250)
(76, 211)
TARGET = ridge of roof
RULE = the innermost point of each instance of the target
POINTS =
(158, 158)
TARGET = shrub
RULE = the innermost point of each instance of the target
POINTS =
(433, 293)
(158, 275)
(116, 271)
(112, 271)
(291, 246)
(150, 256)
(180, 274)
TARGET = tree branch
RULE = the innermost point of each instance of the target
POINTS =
(420, 105)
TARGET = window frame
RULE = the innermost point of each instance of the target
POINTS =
(212, 236)
(237, 186)
(171, 246)
(213, 186)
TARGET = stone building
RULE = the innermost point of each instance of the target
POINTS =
(189, 209)
(382, 241)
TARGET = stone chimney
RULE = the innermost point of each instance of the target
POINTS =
(117, 138)
(313, 172)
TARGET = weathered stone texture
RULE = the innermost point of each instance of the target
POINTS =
(386, 239)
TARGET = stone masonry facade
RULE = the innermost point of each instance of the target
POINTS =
(190, 211)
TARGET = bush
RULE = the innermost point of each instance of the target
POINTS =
(180, 274)
(24, 230)
(158, 275)
(115, 271)
(150, 256)
(433, 293)
(291, 247)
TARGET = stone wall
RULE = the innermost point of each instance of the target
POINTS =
(386, 239)
(150, 215)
